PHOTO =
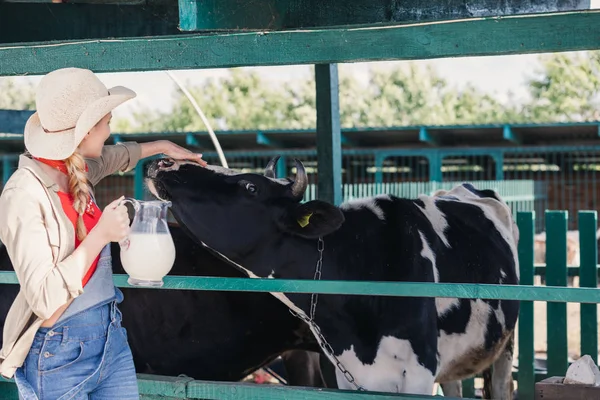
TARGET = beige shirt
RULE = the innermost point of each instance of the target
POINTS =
(39, 239)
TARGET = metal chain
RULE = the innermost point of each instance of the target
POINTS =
(311, 321)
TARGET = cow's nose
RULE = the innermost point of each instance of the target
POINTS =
(166, 163)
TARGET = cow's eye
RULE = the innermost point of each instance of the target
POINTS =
(250, 187)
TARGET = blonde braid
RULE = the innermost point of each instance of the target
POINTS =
(79, 189)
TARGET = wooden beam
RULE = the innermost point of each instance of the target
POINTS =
(474, 37)
(13, 121)
(40, 22)
(211, 15)
(264, 140)
(329, 146)
(425, 137)
(510, 135)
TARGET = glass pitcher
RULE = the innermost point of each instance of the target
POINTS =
(148, 253)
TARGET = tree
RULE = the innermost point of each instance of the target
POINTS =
(16, 97)
(566, 88)
(392, 98)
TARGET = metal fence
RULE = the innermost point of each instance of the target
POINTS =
(556, 294)
(564, 177)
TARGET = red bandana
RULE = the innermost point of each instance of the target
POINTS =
(62, 167)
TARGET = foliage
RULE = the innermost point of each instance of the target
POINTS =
(16, 97)
(566, 87)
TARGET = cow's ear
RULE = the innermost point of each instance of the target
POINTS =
(313, 219)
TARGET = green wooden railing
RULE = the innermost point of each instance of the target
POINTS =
(556, 294)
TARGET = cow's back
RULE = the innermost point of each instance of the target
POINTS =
(474, 239)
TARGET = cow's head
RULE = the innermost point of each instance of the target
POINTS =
(241, 213)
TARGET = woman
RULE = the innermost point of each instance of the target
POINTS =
(63, 337)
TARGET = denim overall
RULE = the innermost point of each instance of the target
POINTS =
(85, 355)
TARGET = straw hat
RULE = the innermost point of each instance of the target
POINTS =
(69, 102)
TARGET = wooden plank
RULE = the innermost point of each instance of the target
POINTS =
(556, 261)
(13, 121)
(526, 374)
(366, 288)
(329, 146)
(31, 22)
(8, 390)
(553, 389)
(474, 37)
(235, 391)
(468, 387)
(156, 386)
(198, 15)
(588, 223)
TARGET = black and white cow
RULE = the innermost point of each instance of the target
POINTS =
(392, 344)
(208, 335)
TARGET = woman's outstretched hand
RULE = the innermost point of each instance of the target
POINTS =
(172, 150)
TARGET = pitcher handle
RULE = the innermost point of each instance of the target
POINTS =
(124, 244)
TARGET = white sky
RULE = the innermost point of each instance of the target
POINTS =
(493, 74)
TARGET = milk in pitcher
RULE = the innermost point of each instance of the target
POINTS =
(149, 258)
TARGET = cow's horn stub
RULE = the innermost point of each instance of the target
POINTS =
(301, 182)
(270, 168)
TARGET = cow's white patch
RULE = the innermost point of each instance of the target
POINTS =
(395, 369)
(152, 189)
(427, 253)
(370, 203)
(435, 216)
(445, 304)
(502, 276)
(271, 275)
(454, 346)
(452, 389)
(496, 211)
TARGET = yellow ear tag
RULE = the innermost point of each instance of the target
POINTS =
(303, 221)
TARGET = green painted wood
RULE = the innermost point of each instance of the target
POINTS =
(30, 22)
(234, 391)
(329, 146)
(189, 15)
(468, 387)
(366, 288)
(8, 391)
(571, 270)
(474, 37)
(13, 121)
(556, 261)
(435, 166)
(152, 386)
(526, 374)
(588, 222)
(281, 169)
(138, 181)
(199, 15)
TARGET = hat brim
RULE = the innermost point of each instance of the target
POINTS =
(60, 145)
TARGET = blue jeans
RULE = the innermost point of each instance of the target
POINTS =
(85, 357)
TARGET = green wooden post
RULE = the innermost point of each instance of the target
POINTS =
(281, 168)
(329, 145)
(8, 390)
(556, 275)
(468, 387)
(138, 181)
(526, 374)
(588, 277)
(435, 167)
(499, 161)
(379, 158)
